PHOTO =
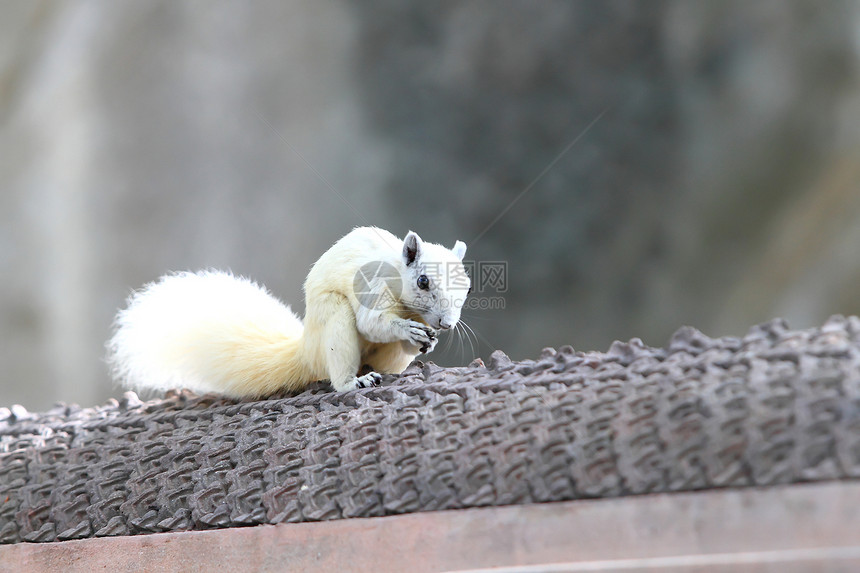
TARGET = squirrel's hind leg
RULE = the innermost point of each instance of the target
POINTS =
(391, 358)
(342, 347)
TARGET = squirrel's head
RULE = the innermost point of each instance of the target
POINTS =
(435, 282)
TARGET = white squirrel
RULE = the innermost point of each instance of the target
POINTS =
(371, 300)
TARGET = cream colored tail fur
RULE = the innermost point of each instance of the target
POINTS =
(209, 332)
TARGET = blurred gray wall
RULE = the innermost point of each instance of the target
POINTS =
(687, 162)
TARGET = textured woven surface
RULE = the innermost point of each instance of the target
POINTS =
(776, 406)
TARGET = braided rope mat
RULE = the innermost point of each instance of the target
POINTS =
(776, 406)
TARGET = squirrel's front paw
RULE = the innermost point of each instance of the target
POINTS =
(368, 380)
(429, 347)
(421, 335)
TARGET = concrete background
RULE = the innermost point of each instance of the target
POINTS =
(654, 164)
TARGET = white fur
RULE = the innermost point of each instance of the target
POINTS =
(214, 332)
(203, 331)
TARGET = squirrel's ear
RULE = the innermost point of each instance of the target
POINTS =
(411, 248)
(459, 250)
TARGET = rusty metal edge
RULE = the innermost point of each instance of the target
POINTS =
(809, 525)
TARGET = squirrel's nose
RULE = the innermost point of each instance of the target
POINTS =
(444, 324)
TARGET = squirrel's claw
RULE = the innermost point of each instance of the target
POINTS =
(430, 344)
(368, 380)
(421, 335)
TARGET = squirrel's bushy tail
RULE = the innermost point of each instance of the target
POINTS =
(210, 332)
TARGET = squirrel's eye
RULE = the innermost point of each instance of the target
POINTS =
(423, 282)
